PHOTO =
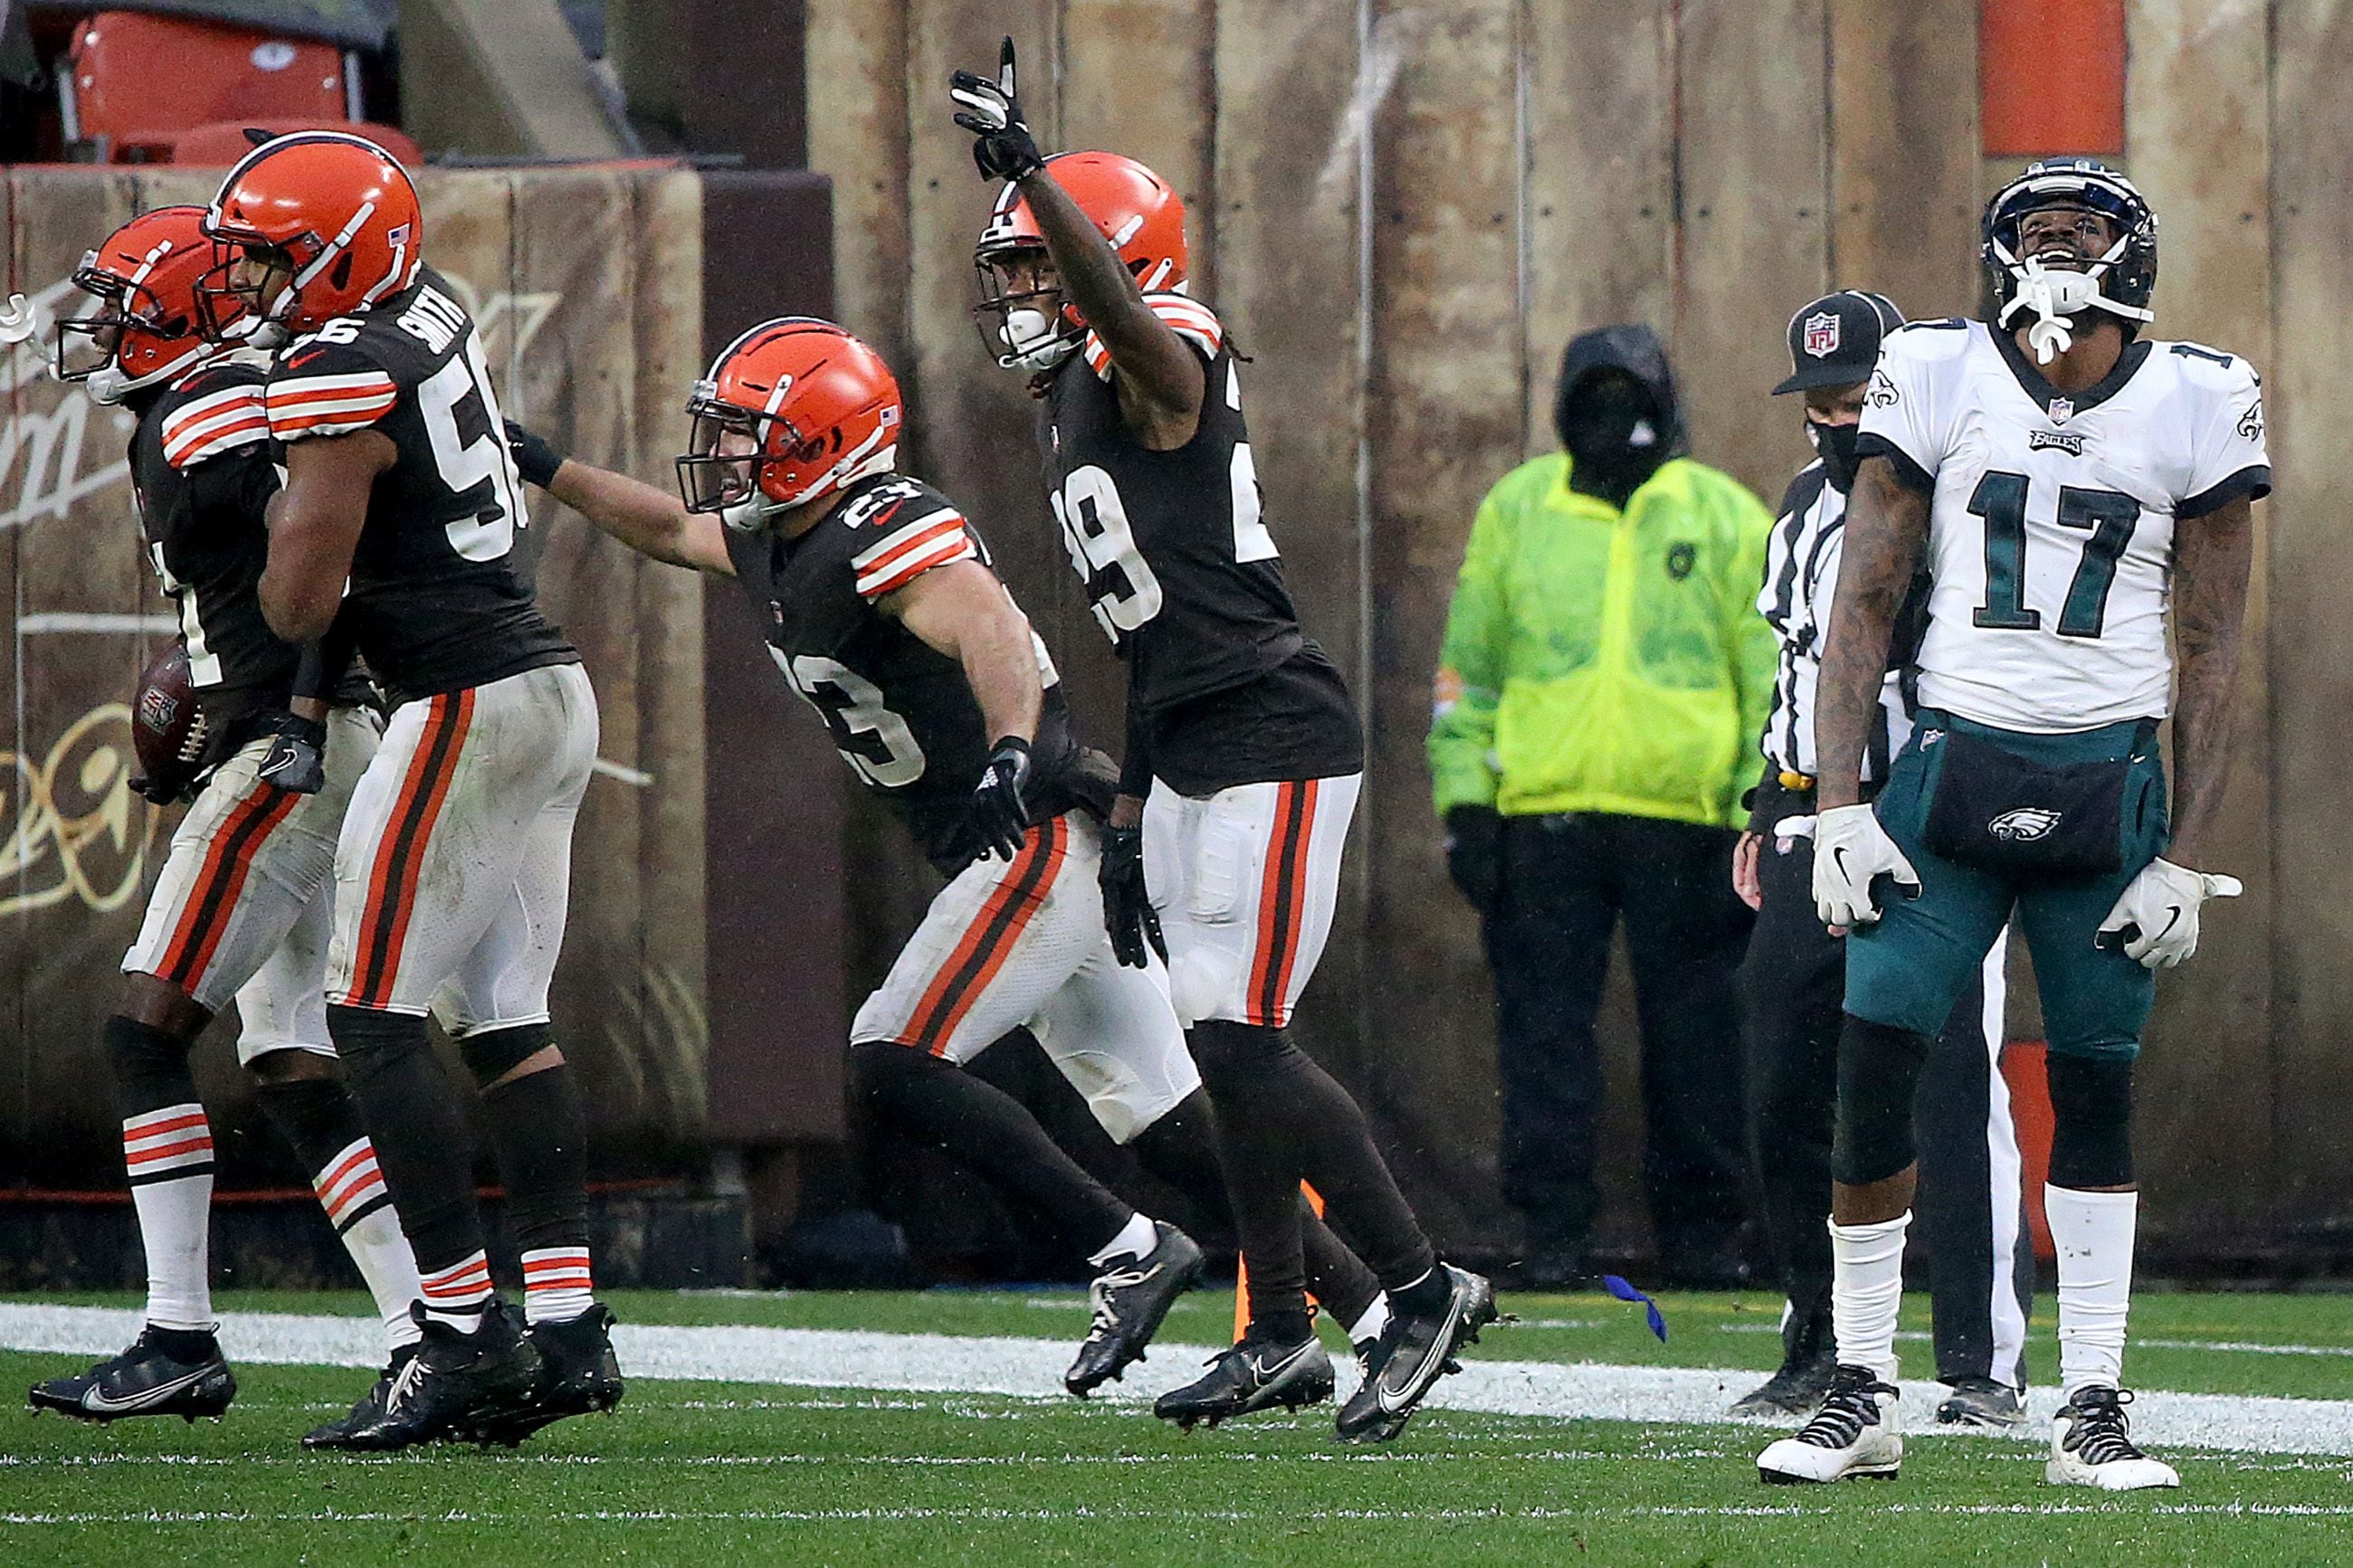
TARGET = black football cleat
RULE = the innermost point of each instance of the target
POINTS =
(335, 1437)
(1131, 1298)
(1792, 1394)
(579, 1375)
(1417, 1349)
(454, 1384)
(166, 1372)
(1982, 1402)
(1255, 1374)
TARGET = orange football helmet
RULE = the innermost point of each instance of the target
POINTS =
(336, 208)
(1032, 328)
(143, 325)
(793, 410)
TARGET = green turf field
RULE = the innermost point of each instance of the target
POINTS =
(707, 1473)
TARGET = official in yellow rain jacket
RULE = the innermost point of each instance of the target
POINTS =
(1604, 679)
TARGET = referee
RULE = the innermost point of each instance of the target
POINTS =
(1969, 1213)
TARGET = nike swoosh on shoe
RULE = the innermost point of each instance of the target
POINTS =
(1268, 1370)
(1429, 1368)
(99, 1403)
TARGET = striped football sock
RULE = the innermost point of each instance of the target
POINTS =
(556, 1286)
(169, 1155)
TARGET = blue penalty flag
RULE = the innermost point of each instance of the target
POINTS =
(1616, 1286)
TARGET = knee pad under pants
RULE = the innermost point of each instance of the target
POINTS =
(2091, 1112)
(1878, 1070)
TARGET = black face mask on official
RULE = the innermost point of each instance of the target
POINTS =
(1611, 431)
(1835, 444)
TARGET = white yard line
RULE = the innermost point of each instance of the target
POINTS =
(1115, 1513)
(947, 1363)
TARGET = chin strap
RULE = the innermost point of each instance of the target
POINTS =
(2055, 294)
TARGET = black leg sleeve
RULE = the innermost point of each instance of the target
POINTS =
(1792, 981)
(539, 1131)
(1283, 1120)
(318, 1120)
(423, 1144)
(1180, 1148)
(986, 1129)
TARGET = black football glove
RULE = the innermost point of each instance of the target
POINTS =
(157, 794)
(297, 760)
(1128, 914)
(998, 817)
(1474, 854)
(1002, 148)
(535, 458)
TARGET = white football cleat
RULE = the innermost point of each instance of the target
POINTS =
(1858, 1431)
(2091, 1445)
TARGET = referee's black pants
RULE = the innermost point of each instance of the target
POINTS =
(1793, 984)
(1566, 882)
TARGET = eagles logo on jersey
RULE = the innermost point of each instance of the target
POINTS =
(434, 601)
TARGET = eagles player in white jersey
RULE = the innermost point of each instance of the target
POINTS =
(2073, 485)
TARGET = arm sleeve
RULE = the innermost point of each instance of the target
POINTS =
(2230, 458)
(1135, 763)
(324, 664)
(327, 389)
(1901, 419)
(1471, 663)
(1753, 652)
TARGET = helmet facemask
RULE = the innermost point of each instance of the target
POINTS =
(747, 465)
(2059, 281)
(121, 316)
(1024, 321)
(235, 305)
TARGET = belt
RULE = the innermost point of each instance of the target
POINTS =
(1796, 781)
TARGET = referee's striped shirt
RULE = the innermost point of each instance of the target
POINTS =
(1801, 568)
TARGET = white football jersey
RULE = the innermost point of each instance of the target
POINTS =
(2051, 532)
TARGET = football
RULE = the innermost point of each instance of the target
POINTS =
(167, 730)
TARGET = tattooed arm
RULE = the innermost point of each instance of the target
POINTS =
(1886, 532)
(2212, 558)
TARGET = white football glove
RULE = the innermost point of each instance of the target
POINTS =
(1849, 849)
(2155, 920)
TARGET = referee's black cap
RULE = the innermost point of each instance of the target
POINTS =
(1834, 341)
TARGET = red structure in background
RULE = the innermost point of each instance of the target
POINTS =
(2030, 1110)
(2050, 76)
(135, 87)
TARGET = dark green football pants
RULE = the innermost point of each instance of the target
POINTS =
(1908, 970)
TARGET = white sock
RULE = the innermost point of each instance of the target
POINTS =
(169, 1154)
(457, 1295)
(1866, 1288)
(1369, 1326)
(351, 1189)
(2094, 1234)
(380, 1249)
(556, 1284)
(1135, 1239)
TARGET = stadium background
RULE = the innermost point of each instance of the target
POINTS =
(1402, 211)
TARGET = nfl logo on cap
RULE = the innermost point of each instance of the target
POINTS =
(1822, 335)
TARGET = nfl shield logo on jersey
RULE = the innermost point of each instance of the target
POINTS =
(1822, 335)
(2062, 410)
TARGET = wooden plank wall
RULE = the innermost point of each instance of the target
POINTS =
(1405, 211)
(586, 286)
